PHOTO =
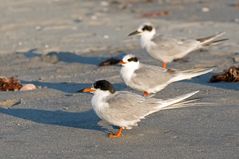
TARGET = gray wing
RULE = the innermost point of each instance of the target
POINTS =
(151, 76)
(126, 106)
(174, 47)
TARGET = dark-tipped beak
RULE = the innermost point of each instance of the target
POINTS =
(88, 90)
(134, 33)
(122, 62)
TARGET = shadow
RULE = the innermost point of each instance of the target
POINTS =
(60, 86)
(204, 80)
(182, 60)
(69, 87)
(83, 120)
(68, 57)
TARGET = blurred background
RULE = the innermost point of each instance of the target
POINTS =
(77, 25)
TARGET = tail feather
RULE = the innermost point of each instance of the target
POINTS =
(206, 41)
(182, 104)
(187, 103)
(188, 74)
(176, 102)
(215, 42)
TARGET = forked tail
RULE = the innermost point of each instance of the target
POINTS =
(188, 74)
(211, 40)
(176, 102)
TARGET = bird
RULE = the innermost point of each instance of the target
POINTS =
(167, 49)
(151, 78)
(125, 109)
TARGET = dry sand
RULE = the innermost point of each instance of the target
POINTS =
(55, 122)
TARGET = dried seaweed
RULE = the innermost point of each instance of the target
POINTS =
(9, 84)
(230, 75)
(110, 61)
(155, 14)
(51, 57)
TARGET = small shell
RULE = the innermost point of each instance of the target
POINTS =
(28, 87)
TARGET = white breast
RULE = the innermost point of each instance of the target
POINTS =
(126, 74)
(98, 102)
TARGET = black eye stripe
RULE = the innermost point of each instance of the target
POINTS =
(135, 59)
(147, 27)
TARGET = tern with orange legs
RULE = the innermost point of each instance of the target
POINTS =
(125, 109)
(152, 79)
(166, 49)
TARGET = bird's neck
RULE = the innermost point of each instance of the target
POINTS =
(98, 101)
(99, 98)
(146, 40)
(128, 71)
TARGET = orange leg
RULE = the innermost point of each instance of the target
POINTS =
(146, 94)
(164, 65)
(117, 134)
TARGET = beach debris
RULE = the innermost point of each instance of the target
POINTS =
(124, 4)
(106, 36)
(19, 43)
(77, 20)
(110, 61)
(230, 75)
(28, 87)
(236, 5)
(65, 108)
(9, 84)
(236, 20)
(38, 28)
(50, 57)
(205, 9)
(94, 17)
(13, 84)
(155, 14)
(236, 57)
(104, 3)
(113, 60)
(9, 103)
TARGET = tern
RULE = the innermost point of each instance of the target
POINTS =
(125, 109)
(167, 49)
(151, 78)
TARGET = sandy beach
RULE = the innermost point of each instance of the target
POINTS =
(58, 44)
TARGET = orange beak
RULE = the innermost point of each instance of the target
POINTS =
(87, 90)
(122, 62)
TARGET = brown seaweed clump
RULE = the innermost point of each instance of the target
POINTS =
(110, 61)
(9, 84)
(230, 75)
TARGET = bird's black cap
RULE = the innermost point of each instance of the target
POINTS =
(104, 85)
(135, 59)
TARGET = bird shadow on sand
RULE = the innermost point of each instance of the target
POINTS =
(67, 57)
(204, 80)
(69, 87)
(83, 120)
